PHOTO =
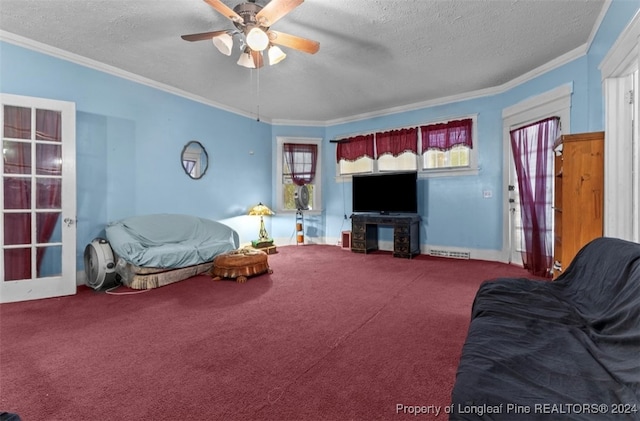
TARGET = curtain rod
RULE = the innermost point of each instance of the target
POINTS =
(443, 120)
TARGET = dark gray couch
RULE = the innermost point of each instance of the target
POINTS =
(562, 350)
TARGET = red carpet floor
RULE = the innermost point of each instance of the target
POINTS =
(330, 335)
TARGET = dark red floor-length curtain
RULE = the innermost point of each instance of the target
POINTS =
(532, 148)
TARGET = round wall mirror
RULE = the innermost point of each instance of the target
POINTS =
(195, 160)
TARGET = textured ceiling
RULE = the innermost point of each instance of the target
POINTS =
(374, 54)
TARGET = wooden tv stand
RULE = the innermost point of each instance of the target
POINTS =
(406, 233)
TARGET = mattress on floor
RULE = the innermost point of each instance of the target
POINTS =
(137, 277)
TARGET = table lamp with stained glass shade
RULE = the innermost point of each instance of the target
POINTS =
(263, 240)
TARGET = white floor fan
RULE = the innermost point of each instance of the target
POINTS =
(301, 198)
(100, 265)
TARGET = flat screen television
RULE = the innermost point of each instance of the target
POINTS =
(385, 193)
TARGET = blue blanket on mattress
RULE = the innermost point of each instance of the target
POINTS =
(170, 241)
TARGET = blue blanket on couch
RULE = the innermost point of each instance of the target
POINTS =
(170, 241)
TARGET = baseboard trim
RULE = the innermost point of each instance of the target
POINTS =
(475, 254)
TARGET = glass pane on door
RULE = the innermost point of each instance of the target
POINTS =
(17, 157)
(17, 193)
(48, 193)
(17, 229)
(49, 261)
(48, 125)
(49, 225)
(48, 159)
(17, 264)
(17, 122)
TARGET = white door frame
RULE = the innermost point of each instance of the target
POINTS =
(619, 71)
(556, 102)
(65, 283)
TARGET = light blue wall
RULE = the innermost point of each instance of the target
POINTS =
(129, 139)
(453, 210)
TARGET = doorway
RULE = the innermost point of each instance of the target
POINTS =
(533, 155)
(554, 103)
(38, 200)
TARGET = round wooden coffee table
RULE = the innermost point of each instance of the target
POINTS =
(240, 264)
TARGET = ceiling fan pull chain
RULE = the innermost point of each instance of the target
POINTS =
(258, 93)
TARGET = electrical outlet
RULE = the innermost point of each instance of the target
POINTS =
(487, 194)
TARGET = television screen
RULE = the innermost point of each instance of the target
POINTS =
(386, 193)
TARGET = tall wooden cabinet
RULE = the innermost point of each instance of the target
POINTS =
(579, 195)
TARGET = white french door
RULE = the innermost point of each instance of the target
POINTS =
(516, 226)
(38, 199)
(516, 234)
(621, 83)
(556, 102)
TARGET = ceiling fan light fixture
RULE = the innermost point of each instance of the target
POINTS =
(224, 43)
(246, 60)
(257, 39)
(276, 55)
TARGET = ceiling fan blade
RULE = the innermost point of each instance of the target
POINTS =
(274, 10)
(292, 41)
(257, 58)
(224, 10)
(202, 36)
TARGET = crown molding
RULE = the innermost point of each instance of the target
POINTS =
(115, 71)
(599, 19)
(622, 54)
(298, 123)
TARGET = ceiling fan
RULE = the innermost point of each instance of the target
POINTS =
(253, 23)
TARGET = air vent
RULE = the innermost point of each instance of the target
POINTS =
(451, 254)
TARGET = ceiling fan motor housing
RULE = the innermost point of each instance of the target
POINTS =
(248, 12)
(252, 22)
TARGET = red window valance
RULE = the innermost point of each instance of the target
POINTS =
(397, 142)
(444, 136)
(355, 147)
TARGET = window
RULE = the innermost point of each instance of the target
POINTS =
(435, 149)
(356, 154)
(299, 163)
(404, 162)
(447, 145)
(397, 150)
(458, 156)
